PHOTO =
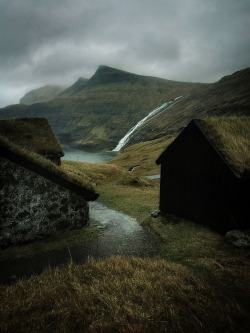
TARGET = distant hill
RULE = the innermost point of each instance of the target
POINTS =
(95, 114)
(42, 94)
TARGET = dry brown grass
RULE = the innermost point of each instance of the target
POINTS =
(118, 295)
(232, 137)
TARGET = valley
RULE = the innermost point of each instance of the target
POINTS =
(195, 269)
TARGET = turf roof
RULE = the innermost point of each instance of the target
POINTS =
(34, 134)
(231, 136)
(44, 167)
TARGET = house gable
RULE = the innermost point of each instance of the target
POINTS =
(198, 184)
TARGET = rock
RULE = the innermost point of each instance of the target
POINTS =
(238, 238)
(155, 213)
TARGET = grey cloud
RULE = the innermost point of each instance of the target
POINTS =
(56, 41)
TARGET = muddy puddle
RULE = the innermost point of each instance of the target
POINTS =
(120, 235)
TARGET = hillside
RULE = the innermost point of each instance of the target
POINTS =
(229, 96)
(74, 88)
(96, 114)
(42, 94)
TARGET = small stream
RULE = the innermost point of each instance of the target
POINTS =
(120, 235)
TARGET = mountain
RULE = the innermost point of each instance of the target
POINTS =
(98, 114)
(95, 114)
(42, 94)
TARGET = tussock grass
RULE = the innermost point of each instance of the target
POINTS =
(118, 295)
(206, 253)
(232, 137)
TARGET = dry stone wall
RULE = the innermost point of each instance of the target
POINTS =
(33, 207)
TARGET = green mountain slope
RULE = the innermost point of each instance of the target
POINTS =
(42, 94)
(229, 96)
(75, 88)
(97, 113)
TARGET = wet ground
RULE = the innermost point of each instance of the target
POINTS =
(120, 235)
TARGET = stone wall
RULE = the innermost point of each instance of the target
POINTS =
(32, 206)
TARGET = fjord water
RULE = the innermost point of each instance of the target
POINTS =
(86, 156)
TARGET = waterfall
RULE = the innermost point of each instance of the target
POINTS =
(127, 136)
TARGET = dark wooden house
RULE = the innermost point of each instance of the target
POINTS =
(199, 179)
(34, 134)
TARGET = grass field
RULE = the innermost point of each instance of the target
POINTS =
(118, 295)
(198, 282)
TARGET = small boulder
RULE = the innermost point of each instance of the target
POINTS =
(238, 238)
(156, 213)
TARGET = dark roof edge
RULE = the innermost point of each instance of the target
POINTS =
(161, 157)
(86, 193)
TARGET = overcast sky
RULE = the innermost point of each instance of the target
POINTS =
(57, 41)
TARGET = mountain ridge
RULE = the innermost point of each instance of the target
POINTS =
(112, 101)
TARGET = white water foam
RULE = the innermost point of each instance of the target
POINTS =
(151, 114)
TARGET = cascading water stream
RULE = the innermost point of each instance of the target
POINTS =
(151, 114)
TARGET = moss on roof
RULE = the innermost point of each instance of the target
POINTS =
(231, 136)
(34, 134)
(67, 177)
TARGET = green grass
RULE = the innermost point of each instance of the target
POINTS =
(118, 295)
(124, 190)
(143, 154)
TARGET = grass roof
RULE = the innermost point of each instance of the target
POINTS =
(63, 175)
(231, 136)
(34, 134)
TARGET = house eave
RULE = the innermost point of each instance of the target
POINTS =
(86, 193)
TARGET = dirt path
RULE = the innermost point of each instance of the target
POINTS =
(120, 235)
